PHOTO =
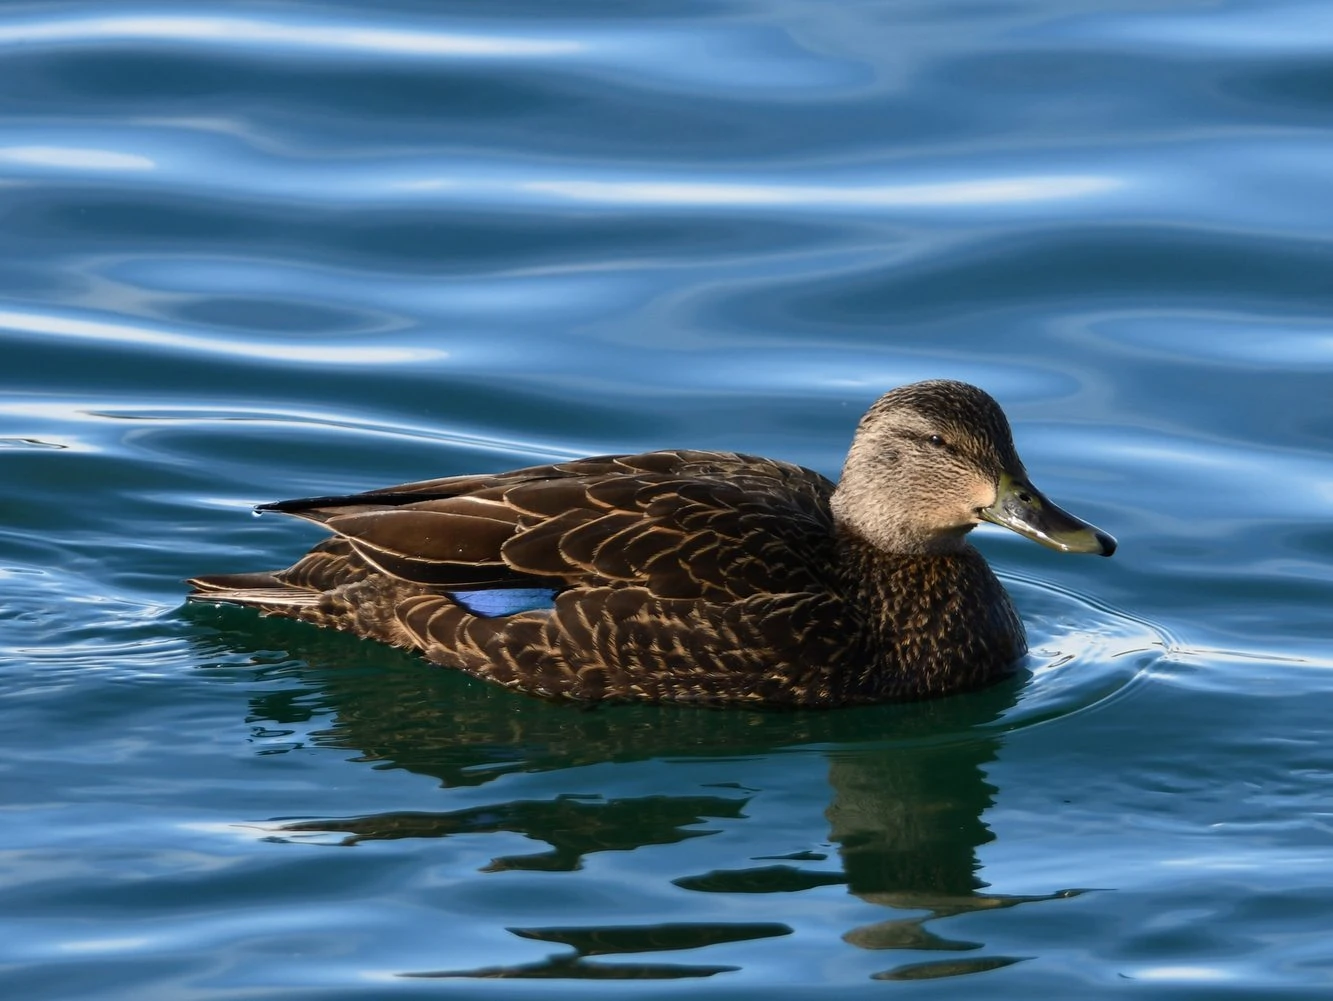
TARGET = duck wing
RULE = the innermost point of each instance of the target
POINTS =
(680, 524)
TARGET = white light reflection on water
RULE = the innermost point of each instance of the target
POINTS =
(72, 158)
(237, 32)
(988, 191)
(129, 334)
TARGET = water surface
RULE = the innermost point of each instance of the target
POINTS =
(262, 250)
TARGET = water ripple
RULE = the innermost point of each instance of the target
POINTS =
(294, 247)
(255, 36)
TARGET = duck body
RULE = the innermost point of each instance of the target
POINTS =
(676, 576)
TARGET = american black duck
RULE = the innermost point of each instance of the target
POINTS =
(689, 576)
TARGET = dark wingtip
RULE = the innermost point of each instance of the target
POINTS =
(299, 504)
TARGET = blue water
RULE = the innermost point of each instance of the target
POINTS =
(262, 250)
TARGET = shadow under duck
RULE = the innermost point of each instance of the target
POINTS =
(691, 576)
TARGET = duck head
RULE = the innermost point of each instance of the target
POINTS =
(932, 460)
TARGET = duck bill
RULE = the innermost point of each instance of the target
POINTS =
(1021, 508)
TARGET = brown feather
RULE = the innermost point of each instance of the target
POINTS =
(425, 536)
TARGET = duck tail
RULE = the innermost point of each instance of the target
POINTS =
(258, 590)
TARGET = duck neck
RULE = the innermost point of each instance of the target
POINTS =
(935, 622)
(885, 528)
(882, 581)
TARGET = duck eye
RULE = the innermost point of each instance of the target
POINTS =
(936, 440)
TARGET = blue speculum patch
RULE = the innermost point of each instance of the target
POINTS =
(493, 604)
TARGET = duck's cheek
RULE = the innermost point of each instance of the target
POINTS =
(983, 495)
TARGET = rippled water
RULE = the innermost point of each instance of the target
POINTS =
(261, 250)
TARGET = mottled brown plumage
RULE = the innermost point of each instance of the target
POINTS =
(689, 576)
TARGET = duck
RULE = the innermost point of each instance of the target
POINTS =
(688, 576)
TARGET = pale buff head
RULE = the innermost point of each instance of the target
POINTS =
(927, 459)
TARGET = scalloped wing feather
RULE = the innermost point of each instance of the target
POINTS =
(626, 643)
(683, 524)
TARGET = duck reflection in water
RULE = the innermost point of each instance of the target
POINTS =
(908, 793)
